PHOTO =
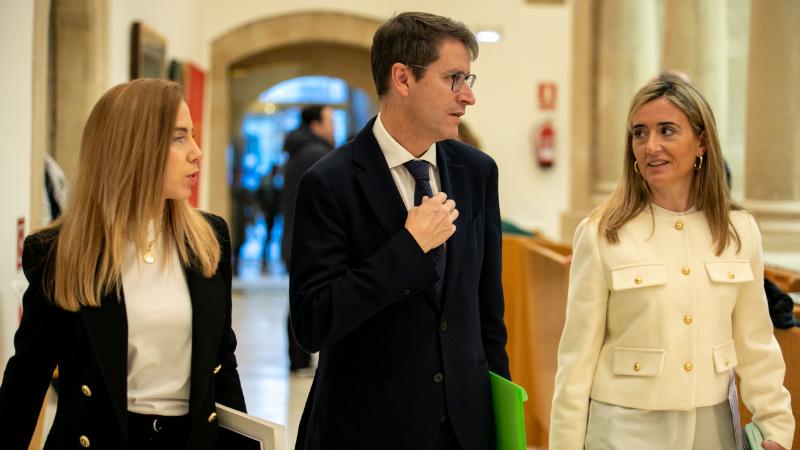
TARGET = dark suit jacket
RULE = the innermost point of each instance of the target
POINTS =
(90, 348)
(393, 362)
(304, 149)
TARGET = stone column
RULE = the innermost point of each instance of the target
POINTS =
(628, 56)
(614, 58)
(772, 172)
(696, 43)
(79, 72)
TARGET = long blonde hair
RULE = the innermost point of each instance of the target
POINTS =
(709, 188)
(117, 191)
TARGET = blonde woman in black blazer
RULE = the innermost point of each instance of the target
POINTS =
(125, 381)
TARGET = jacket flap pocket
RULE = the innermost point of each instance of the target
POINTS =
(725, 357)
(643, 362)
(638, 275)
(729, 271)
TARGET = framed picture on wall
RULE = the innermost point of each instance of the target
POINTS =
(148, 52)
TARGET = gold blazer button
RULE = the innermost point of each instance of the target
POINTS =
(638, 279)
(688, 366)
(636, 366)
(84, 441)
(685, 270)
(679, 225)
(731, 275)
(217, 369)
(725, 362)
(86, 391)
(212, 417)
(687, 319)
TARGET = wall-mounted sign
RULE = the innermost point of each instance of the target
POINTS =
(548, 94)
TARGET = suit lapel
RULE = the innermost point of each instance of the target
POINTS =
(107, 330)
(376, 182)
(452, 177)
(208, 320)
(380, 191)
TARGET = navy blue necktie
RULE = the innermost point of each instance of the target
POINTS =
(422, 187)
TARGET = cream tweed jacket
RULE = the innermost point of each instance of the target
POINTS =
(658, 320)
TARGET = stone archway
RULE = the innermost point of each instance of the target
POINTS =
(259, 37)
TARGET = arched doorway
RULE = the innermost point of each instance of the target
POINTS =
(266, 52)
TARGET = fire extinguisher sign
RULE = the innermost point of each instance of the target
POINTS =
(548, 94)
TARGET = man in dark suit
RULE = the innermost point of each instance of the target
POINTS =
(395, 271)
(305, 146)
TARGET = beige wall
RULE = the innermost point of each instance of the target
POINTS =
(538, 41)
(16, 25)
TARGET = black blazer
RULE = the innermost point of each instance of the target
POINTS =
(393, 362)
(90, 348)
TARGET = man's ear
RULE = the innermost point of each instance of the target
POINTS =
(401, 79)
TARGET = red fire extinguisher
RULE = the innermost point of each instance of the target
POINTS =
(545, 144)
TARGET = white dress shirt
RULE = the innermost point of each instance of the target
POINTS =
(396, 155)
(159, 312)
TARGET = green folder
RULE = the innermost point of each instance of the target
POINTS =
(753, 437)
(509, 418)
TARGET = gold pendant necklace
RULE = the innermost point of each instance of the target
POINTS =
(149, 257)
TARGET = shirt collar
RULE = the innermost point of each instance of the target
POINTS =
(395, 153)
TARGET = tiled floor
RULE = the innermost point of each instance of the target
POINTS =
(260, 308)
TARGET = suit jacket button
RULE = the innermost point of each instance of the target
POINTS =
(212, 417)
(86, 391)
(84, 441)
(217, 369)
(405, 292)
(438, 377)
(443, 325)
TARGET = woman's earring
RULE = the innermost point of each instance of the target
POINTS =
(636, 167)
(698, 165)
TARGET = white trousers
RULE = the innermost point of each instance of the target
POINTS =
(614, 427)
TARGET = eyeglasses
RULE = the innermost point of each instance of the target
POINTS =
(458, 78)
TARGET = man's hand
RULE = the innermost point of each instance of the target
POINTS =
(431, 223)
(772, 445)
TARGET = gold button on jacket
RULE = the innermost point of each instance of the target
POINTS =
(86, 391)
(84, 441)
(217, 369)
(212, 417)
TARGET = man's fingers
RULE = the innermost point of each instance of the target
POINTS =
(454, 215)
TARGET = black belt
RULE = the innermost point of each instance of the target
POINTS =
(148, 427)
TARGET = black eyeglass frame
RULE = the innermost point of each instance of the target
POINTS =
(458, 78)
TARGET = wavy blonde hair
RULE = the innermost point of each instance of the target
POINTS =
(117, 191)
(709, 188)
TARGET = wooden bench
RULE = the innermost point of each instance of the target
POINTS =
(789, 340)
(535, 282)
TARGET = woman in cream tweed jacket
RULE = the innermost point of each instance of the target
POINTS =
(666, 297)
